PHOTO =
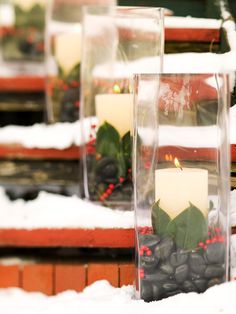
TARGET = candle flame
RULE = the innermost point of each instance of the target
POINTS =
(116, 89)
(177, 164)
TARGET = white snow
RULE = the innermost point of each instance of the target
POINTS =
(58, 135)
(102, 298)
(150, 24)
(191, 22)
(57, 211)
(63, 135)
(233, 208)
(233, 256)
(185, 136)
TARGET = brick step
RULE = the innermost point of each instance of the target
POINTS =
(52, 278)
(95, 238)
(83, 238)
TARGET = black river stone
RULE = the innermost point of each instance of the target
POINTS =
(146, 291)
(148, 262)
(157, 291)
(164, 249)
(197, 263)
(181, 273)
(214, 271)
(188, 286)
(215, 253)
(170, 286)
(178, 258)
(167, 268)
(169, 271)
(200, 284)
(150, 240)
(158, 276)
(194, 276)
(213, 282)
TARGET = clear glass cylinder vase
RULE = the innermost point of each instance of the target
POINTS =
(117, 42)
(22, 26)
(64, 41)
(181, 181)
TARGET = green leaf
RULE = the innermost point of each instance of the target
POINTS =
(108, 140)
(160, 219)
(74, 73)
(188, 228)
(126, 148)
(121, 165)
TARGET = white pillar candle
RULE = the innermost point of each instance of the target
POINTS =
(28, 4)
(115, 109)
(68, 50)
(175, 188)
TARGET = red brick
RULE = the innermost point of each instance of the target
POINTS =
(127, 274)
(9, 276)
(38, 277)
(110, 272)
(69, 277)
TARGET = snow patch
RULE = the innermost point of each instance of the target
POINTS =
(57, 211)
(102, 298)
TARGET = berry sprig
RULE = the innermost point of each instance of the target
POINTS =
(145, 250)
(215, 236)
(107, 192)
(145, 230)
(141, 273)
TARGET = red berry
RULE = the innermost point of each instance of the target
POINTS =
(141, 252)
(101, 198)
(141, 275)
(147, 165)
(201, 244)
(149, 253)
(93, 126)
(77, 104)
(109, 191)
(214, 239)
(218, 230)
(121, 179)
(74, 83)
(208, 241)
(111, 186)
(145, 248)
(221, 239)
(105, 195)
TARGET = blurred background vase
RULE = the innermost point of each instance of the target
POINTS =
(181, 182)
(22, 25)
(64, 40)
(117, 42)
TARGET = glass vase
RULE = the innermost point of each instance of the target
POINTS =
(181, 181)
(22, 36)
(117, 42)
(64, 58)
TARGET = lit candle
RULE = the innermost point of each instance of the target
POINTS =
(115, 109)
(28, 4)
(177, 187)
(68, 50)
